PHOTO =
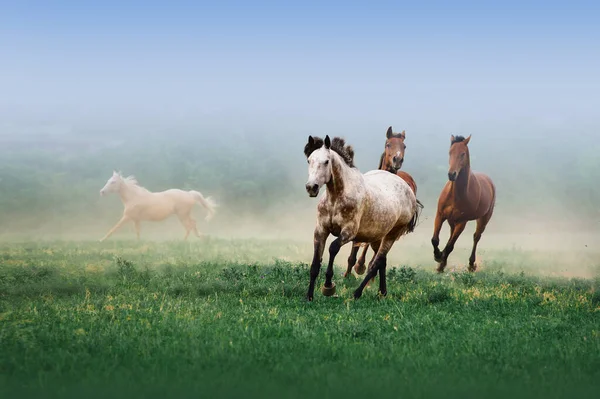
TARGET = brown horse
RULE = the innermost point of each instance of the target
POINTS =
(466, 196)
(391, 160)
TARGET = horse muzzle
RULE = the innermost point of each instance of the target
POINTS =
(312, 189)
(397, 163)
(452, 176)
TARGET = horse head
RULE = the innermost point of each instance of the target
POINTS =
(113, 184)
(319, 164)
(393, 157)
(459, 156)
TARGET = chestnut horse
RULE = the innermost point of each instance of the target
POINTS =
(466, 196)
(376, 207)
(391, 160)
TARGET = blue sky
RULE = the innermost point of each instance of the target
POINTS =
(438, 63)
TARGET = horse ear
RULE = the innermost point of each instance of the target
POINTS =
(311, 141)
(467, 140)
(389, 133)
(115, 173)
(403, 134)
(452, 138)
(327, 142)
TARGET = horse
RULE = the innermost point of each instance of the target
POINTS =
(466, 196)
(376, 207)
(141, 204)
(391, 160)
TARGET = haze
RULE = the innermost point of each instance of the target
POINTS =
(221, 98)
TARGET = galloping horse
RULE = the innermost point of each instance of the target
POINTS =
(391, 160)
(466, 196)
(141, 204)
(376, 208)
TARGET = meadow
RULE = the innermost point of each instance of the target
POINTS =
(227, 318)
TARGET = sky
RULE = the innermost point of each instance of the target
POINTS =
(451, 65)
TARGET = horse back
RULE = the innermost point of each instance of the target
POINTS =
(408, 179)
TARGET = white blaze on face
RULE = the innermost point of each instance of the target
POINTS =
(319, 170)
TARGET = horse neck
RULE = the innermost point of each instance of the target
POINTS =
(127, 192)
(382, 162)
(461, 185)
(339, 176)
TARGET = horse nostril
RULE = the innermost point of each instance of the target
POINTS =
(451, 176)
(395, 159)
(312, 187)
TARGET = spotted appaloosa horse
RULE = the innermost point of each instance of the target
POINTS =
(466, 196)
(391, 160)
(377, 208)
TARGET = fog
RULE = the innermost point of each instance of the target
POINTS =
(225, 107)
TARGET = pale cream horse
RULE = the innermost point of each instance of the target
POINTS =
(142, 204)
(377, 207)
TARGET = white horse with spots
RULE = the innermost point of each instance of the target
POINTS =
(377, 207)
(142, 204)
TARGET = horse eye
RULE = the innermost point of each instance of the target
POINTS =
(326, 162)
(387, 145)
(462, 155)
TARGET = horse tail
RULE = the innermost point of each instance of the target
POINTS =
(415, 219)
(206, 202)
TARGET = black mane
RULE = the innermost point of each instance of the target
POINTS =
(457, 139)
(338, 145)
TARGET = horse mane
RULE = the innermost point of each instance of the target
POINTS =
(338, 144)
(132, 181)
(397, 135)
(457, 139)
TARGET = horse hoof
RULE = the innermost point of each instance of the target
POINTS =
(440, 269)
(328, 291)
(472, 268)
(309, 298)
(360, 269)
(357, 294)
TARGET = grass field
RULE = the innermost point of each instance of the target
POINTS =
(223, 318)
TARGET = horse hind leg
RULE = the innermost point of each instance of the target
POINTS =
(377, 265)
(481, 224)
(185, 221)
(457, 229)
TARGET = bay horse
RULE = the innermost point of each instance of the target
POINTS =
(141, 204)
(466, 196)
(376, 207)
(391, 160)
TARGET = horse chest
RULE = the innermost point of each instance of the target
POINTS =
(340, 216)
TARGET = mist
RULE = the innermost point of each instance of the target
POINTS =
(223, 102)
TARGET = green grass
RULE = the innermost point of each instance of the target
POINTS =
(200, 319)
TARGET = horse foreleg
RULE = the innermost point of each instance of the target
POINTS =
(481, 224)
(329, 287)
(435, 240)
(320, 237)
(457, 229)
(120, 223)
(359, 268)
(352, 259)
